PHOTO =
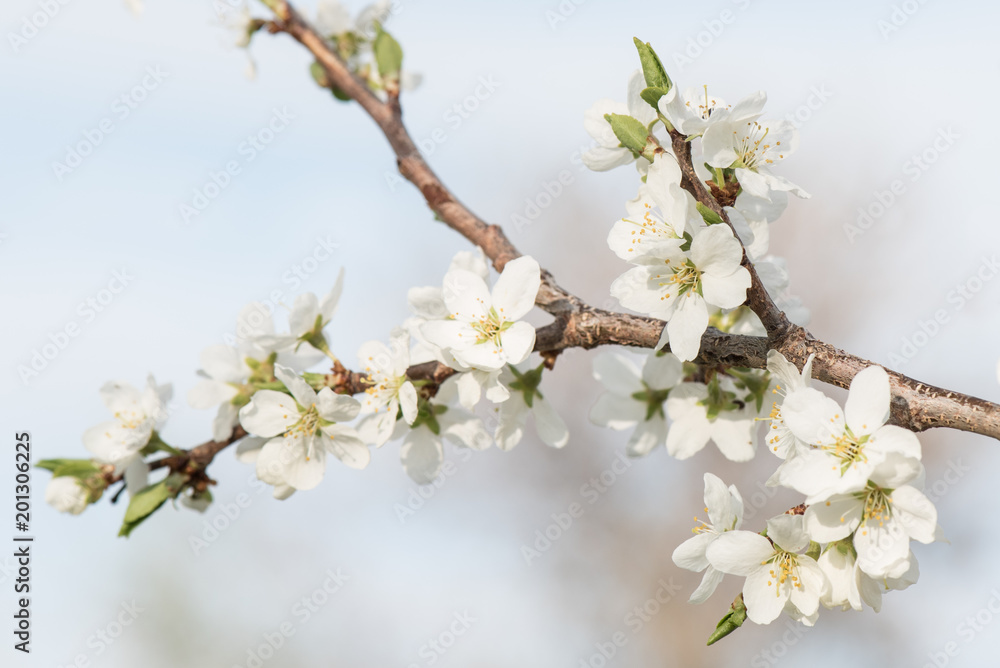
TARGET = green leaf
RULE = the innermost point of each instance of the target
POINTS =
(73, 468)
(652, 96)
(814, 550)
(730, 622)
(149, 499)
(711, 217)
(318, 73)
(630, 132)
(652, 68)
(388, 54)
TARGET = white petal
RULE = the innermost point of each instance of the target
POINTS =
(661, 372)
(739, 552)
(337, 407)
(788, 532)
(466, 296)
(716, 251)
(513, 415)
(690, 555)
(687, 325)
(616, 412)
(408, 401)
(617, 373)
(728, 291)
(223, 363)
(915, 513)
(422, 455)
(550, 426)
(269, 413)
(647, 435)
(834, 518)
(300, 389)
(209, 393)
(515, 291)
(867, 406)
(709, 582)
(346, 445)
(764, 596)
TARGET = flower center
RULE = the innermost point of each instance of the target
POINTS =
(877, 505)
(489, 327)
(685, 277)
(848, 449)
(785, 568)
(705, 108)
(751, 148)
(308, 423)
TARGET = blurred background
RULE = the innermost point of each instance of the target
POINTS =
(882, 92)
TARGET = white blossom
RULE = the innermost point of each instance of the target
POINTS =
(634, 398)
(484, 330)
(302, 429)
(777, 575)
(725, 512)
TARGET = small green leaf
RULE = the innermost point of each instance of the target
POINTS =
(149, 499)
(73, 468)
(388, 54)
(652, 68)
(630, 132)
(652, 96)
(711, 217)
(730, 622)
(318, 73)
(814, 550)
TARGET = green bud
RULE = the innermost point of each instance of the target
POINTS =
(711, 217)
(652, 70)
(730, 622)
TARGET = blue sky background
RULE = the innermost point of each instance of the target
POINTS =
(889, 95)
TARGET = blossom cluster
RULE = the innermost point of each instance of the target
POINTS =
(289, 419)
(696, 237)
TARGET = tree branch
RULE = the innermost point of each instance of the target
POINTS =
(915, 405)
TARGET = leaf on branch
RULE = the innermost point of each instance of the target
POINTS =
(657, 80)
(388, 54)
(630, 132)
(73, 468)
(710, 217)
(149, 499)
